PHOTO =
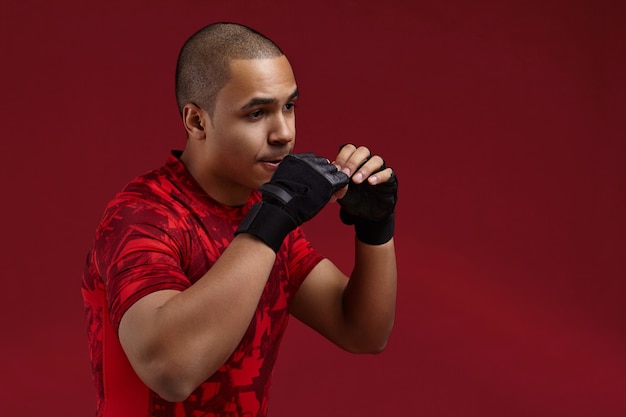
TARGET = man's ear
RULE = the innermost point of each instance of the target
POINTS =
(195, 120)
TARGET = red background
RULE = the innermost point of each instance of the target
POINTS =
(503, 120)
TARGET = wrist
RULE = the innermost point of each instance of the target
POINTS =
(371, 232)
(269, 223)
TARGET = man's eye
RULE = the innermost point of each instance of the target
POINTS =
(256, 114)
(289, 106)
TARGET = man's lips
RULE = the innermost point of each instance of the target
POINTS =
(272, 160)
(271, 163)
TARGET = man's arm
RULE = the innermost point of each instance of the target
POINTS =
(357, 313)
(176, 340)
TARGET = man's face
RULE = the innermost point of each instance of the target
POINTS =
(253, 125)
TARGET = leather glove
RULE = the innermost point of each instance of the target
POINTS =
(300, 187)
(370, 208)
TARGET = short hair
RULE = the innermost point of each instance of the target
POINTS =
(203, 66)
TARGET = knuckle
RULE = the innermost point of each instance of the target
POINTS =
(378, 159)
(349, 148)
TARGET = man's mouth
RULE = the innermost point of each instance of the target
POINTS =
(271, 162)
(273, 159)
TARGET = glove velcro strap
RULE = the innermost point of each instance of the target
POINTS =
(370, 231)
(269, 223)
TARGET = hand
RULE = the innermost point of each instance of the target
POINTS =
(298, 190)
(370, 199)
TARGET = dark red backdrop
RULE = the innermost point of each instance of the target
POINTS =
(504, 121)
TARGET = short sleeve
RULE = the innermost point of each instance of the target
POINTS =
(139, 250)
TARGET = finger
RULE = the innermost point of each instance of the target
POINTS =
(373, 164)
(355, 160)
(345, 151)
(380, 177)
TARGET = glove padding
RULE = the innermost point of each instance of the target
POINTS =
(370, 208)
(298, 190)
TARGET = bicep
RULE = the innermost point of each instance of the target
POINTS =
(137, 328)
(318, 303)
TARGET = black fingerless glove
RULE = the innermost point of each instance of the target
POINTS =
(300, 187)
(370, 208)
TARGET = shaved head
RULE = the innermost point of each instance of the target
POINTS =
(203, 66)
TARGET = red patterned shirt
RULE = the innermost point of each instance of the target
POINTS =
(162, 231)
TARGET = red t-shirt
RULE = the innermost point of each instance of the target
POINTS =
(162, 231)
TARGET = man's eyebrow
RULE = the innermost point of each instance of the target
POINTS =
(259, 101)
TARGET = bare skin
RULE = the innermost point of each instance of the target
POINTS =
(176, 340)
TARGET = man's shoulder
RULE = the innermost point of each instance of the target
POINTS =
(156, 192)
(160, 183)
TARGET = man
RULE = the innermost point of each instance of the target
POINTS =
(197, 265)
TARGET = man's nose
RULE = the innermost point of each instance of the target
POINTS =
(283, 129)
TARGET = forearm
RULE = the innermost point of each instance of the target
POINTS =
(187, 338)
(370, 297)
